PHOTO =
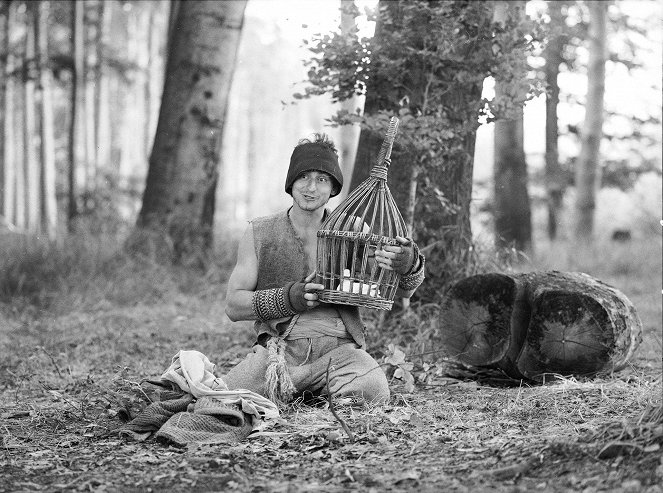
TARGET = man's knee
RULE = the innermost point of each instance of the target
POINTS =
(363, 379)
(249, 373)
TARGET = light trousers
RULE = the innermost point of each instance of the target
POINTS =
(352, 372)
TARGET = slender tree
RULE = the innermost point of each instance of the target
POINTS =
(102, 133)
(74, 114)
(554, 175)
(8, 130)
(88, 100)
(179, 196)
(30, 161)
(513, 221)
(349, 133)
(48, 198)
(586, 173)
(4, 50)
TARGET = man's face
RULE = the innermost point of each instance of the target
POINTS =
(312, 190)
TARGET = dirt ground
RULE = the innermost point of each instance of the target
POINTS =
(63, 379)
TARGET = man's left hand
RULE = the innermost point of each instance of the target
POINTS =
(397, 258)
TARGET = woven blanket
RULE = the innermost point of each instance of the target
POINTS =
(181, 421)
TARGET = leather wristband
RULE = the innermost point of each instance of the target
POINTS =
(269, 304)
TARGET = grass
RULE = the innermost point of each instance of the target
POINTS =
(81, 323)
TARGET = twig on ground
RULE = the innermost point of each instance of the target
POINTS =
(345, 427)
(517, 469)
(52, 360)
(67, 401)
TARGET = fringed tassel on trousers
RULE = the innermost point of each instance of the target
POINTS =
(278, 383)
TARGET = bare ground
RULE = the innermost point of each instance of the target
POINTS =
(64, 377)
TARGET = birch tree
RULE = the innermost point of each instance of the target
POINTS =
(587, 166)
(179, 196)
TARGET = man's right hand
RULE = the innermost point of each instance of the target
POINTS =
(304, 295)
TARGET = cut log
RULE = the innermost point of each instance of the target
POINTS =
(579, 326)
(539, 323)
(483, 320)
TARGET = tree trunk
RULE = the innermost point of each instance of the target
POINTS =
(152, 87)
(554, 175)
(12, 170)
(49, 210)
(4, 165)
(586, 175)
(349, 134)
(540, 323)
(30, 163)
(90, 90)
(102, 131)
(181, 182)
(513, 223)
(74, 118)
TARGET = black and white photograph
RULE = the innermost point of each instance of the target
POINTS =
(331, 246)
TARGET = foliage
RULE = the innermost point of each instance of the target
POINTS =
(426, 64)
(627, 131)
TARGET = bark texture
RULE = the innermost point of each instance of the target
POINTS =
(539, 324)
(181, 182)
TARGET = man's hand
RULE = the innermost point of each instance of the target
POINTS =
(304, 295)
(397, 258)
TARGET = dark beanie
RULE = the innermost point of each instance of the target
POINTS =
(312, 156)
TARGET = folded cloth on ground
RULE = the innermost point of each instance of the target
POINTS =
(218, 416)
(185, 428)
(193, 372)
(208, 421)
(154, 416)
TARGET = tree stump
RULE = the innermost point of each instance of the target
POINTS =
(539, 323)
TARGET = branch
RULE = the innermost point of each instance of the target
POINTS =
(345, 427)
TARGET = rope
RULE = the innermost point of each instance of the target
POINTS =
(278, 384)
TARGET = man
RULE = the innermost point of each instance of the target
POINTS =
(304, 345)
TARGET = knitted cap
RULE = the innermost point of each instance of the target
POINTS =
(312, 156)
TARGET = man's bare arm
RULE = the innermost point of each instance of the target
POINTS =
(242, 284)
(243, 281)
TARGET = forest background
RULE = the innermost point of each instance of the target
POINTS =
(93, 281)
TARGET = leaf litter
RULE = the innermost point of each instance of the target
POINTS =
(61, 405)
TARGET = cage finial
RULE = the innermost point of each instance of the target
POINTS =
(379, 170)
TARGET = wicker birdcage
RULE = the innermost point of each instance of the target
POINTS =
(366, 220)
